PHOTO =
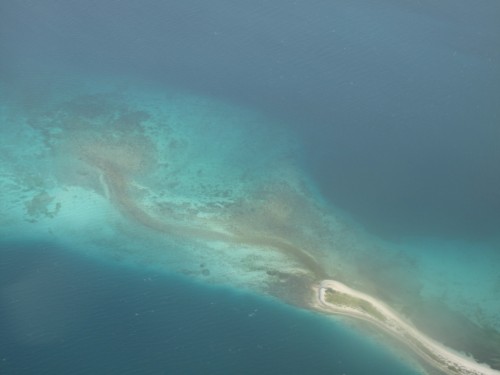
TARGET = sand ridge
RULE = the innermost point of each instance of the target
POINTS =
(436, 354)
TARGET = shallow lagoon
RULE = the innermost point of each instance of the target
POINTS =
(258, 148)
(177, 183)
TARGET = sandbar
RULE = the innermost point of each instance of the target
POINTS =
(337, 298)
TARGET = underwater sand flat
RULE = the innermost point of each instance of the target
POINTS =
(144, 169)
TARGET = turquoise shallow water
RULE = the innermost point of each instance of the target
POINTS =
(63, 313)
(162, 156)
(167, 183)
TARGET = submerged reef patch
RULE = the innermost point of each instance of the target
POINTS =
(196, 186)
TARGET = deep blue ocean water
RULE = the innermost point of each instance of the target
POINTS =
(396, 103)
(61, 313)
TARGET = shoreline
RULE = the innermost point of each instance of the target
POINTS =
(358, 305)
(118, 168)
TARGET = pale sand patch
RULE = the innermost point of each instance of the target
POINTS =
(438, 355)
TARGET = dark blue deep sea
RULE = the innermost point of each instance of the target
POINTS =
(63, 314)
(396, 101)
(397, 105)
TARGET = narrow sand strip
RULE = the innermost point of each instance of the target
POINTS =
(374, 311)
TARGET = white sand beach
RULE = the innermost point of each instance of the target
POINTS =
(363, 306)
